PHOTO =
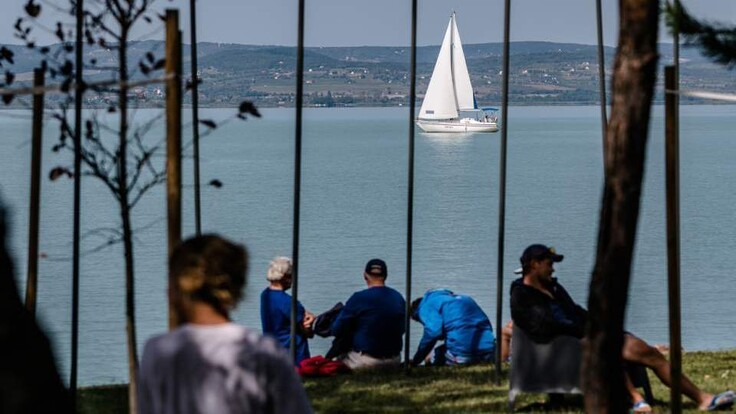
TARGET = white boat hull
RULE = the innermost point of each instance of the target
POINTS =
(464, 125)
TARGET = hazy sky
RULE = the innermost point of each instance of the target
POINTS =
(387, 22)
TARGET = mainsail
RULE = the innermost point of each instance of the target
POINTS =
(449, 89)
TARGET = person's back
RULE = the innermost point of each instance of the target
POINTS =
(276, 309)
(378, 320)
(467, 327)
(224, 368)
(371, 324)
(459, 322)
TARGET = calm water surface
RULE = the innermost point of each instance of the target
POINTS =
(354, 194)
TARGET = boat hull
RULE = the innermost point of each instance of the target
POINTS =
(457, 125)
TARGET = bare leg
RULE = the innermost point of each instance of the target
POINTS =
(506, 340)
(638, 351)
(636, 396)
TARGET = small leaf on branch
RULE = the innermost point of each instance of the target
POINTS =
(215, 183)
(208, 123)
(9, 77)
(247, 107)
(111, 109)
(59, 172)
(90, 38)
(59, 32)
(33, 9)
(67, 68)
(160, 64)
(144, 69)
(161, 16)
(89, 129)
(68, 48)
(44, 50)
(150, 57)
(18, 24)
(8, 98)
(147, 19)
(7, 54)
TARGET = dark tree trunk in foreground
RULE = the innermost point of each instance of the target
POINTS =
(29, 381)
(624, 148)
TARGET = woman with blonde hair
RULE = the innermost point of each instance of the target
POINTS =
(276, 309)
(210, 364)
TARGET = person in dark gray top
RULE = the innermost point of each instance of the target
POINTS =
(209, 364)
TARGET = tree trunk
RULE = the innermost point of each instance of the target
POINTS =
(624, 148)
(127, 228)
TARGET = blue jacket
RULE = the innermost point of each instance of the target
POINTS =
(457, 320)
(374, 319)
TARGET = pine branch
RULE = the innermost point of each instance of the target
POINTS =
(716, 40)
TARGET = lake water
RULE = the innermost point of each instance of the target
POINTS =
(354, 194)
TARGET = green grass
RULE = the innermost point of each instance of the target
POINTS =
(447, 390)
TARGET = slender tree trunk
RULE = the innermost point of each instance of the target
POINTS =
(127, 228)
(624, 152)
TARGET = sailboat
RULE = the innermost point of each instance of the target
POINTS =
(449, 104)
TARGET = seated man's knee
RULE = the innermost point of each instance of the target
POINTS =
(638, 351)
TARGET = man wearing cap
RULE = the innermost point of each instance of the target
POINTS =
(373, 320)
(543, 309)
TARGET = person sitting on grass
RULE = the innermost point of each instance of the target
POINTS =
(210, 364)
(276, 310)
(371, 324)
(459, 322)
(543, 309)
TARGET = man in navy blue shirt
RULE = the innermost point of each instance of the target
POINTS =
(373, 321)
(459, 322)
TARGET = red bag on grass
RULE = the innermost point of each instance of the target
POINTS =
(319, 366)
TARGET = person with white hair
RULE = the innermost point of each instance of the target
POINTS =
(276, 309)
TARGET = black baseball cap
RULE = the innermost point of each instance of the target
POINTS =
(376, 267)
(539, 252)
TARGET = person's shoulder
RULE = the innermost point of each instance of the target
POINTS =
(272, 292)
(388, 291)
(164, 345)
(392, 290)
(518, 285)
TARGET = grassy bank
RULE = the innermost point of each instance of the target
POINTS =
(446, 390)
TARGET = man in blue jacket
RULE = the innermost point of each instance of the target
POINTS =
(459, 322)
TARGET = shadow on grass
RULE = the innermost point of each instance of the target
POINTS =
(446, 390)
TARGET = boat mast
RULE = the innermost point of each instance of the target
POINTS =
(452, 60)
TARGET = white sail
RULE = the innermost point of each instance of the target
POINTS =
(449, 92)
(463, 88)
(439, 101)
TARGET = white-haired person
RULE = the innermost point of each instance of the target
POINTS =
(276, 309)
(210, 364)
